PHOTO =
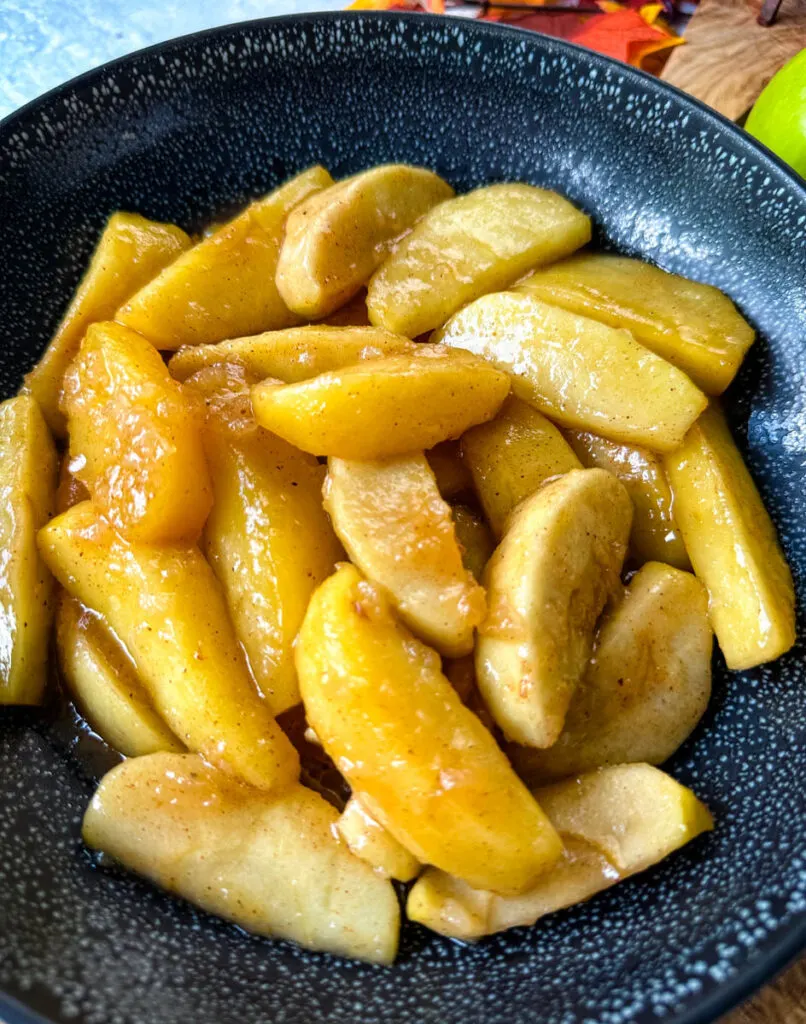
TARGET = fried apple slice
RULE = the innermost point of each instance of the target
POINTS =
(383, 407)
(268, 862)
(646, 687)
(577, 371)
(614, 823)
(370, 841)
(694, 326)
(732, 544)
(448, 905)
(104, 684)
(420, 762)
(476, 243)
(28, 467)
(165, 606)
(292, 355)
(135, 438)
(547, 584)
(655, 534)
(130, 252)
(335, 240)
(224, 286)
(635, 814)
(267, 537)
(511, 456)
(399, 532)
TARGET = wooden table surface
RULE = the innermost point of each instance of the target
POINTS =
(782, 1002)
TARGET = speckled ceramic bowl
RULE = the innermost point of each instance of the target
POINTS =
(184, 131)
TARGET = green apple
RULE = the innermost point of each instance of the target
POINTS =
(778, 118)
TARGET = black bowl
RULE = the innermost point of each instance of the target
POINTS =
(188, 129)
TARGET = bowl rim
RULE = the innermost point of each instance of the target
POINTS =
(790, 941)
(601, 60)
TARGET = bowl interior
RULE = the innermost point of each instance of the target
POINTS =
(189, 130)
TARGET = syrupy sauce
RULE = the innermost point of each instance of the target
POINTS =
(318, 771)
(67, 729)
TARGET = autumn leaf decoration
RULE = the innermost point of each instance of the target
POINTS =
(627, 33)
(425, 6)
(633, 32)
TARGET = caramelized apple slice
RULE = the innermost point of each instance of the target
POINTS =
(135, 438)
(646, 686)
(28, 464)
(164, 604)
(103, 682)
(270, 863)
(415, 756)
(477, 243)
(370, 841)
(267, 538)
(579, 372)
(452, 475)
(475, 540)
(383, 407)
(614, 823)
(336, 239)
(130, 252)
(297, 353)
(511, 456)
(399, 532)
(655, 534)
(732, 545)
(547, 584)
(692, 325)
(224, 286)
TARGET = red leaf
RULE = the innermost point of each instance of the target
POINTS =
(393, 5)
(629, 33)
(561, 26)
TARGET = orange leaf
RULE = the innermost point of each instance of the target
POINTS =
(373, 5)
(512, 6)
(624, 34)
(396, 5)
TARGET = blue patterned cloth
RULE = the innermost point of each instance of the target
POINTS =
(45, 42)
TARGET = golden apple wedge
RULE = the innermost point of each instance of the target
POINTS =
(415, 756)
(268, 862)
